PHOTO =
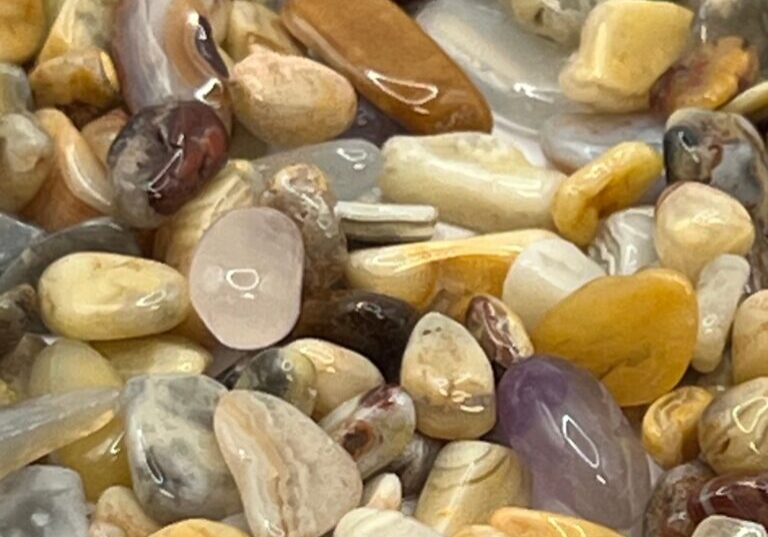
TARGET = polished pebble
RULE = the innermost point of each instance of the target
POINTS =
(79, 24)
(740, 495)
(23, 25)
(199, 528)
(748, 340)
(386, 223)
(499, 331)
(516, 521)
(723, 526)
(415, 462)
(118, 506)
(479, 531)
(367, 522)
(624, 242)
(383, 492)
(15, 93)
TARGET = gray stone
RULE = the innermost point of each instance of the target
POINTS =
(15, 236)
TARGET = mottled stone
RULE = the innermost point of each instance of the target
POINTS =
(721, 285)
(79, 24)
(253, 23)
(468, 482)
(516, 521)
(560, 20)
(581, 451)
(177, 468)
(624, 242)
(643, 356)
(374, 427)
(740, 496)
(15, 93)
(367, 522)
(23, 25)
(383, 492)
(499, 331)
(415, 462)
(118, 506)
(199, 528)
(723, 526)
(314, 481)
(26, 158)
(386, 223)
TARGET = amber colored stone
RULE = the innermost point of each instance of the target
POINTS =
(636, 333)
(707, 77)
(737, 496)
(393, 63)
(515, 521)
(22, 28)
(609, 183)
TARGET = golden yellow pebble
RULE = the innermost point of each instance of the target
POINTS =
(519, 522)
(79, 24)
(609, 183)
(636, 333)
(670, 426)
(22, 28)
(198, 527)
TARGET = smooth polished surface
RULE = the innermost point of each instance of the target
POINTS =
(624, 241)
(514, 521)
(741, 496)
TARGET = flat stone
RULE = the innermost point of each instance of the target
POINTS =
(118, 506)
(199, 528)
(253, 23)
(178, 471)
(386, 223)
(395, 65)
(415, 462)
(383, 492)
(367, 522)
(514, 521)
(315, 481)
(723, 526)
(499, 331)
(624, 242)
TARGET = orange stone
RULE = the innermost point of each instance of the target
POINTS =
(392, 62)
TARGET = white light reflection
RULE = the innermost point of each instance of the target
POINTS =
(394, 88)
(581, 443)
(244, 280)
(747, 417)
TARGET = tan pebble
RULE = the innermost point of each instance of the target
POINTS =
(529, 523)
(80, 24)
(367, 522)
(104, 529)
(199, 528)
(290, 101)
(479, 531)
(26, 159)
(118, 506)
(670, 426)
(383, 492)
(695, 223)
(22, 28)
(99, 296)
(750, 339)
(252, 23)
(101, 132)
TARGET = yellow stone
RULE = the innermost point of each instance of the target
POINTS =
(451, 270)
(519, 522)
(155, 355)
(101, 132)
(252, 23)
(100, 296)
(671, 425)
(612, 182)
(80, 24)
(636, 333)
(22, 28)
(626, 45)
(199, 528)
(750, 339)
(479, 531)
(118, 506)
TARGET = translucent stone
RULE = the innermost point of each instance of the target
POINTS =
(23, 24)
(15, 236)
(383, 492)
(314, 480)
(624, 242)
(367, 522)
(515, 521)
(177, 468)
(79, 24)
(253, 23)
(543, 275)
(26, 158)
(723, 526)
(199, 528)
(119, 506)
(415, 462)
(386, 223)
(15, 93)
(560, 20)
(499, 331)
(469, 481)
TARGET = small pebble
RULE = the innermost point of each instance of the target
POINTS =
(383, 492)
(499, 331)
(624, 242)
(119, 506)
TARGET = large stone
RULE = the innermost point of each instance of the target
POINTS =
(737, 495)
(23, 25)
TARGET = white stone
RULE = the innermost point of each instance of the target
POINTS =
(624, 242)
(367, 522)
(383, 492)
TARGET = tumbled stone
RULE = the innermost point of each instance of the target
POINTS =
(624, 242)
(118, 506)
(752, 103)
(479, 531)
(749, 342)
(560, 21)
(621, 56)
(740, 496)
(23, 25)
(68, 365)
(670, 426)
(100, 296)
(397, 66)
(667, 511)
(252, 23)
(415, 462)
(42, 501)
(611, 182)
(721, 285)
(543, 274)
(383, 492)
(499, 331)
(199, 528)
(79, 24)
(374, 427)
(386, 223)
(450, 379)
(155, 355)
(177, 468)
(368, 522)
(302, 193)
(288, 100)
(475, 180)
(315, 480)
(643, 356)
(516, 521)
(592, 463)
(723, 526)
(15, 93)
(101, 132)
(34, 428)
(732, 429)
(696, 223)
(468, 482)
(245, 277)
(26, 158)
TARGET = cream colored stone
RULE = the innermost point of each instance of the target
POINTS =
(383, 492)
(104, 529)
(199, 528)
(290, 101)
(101, 132)
(22, 28)
(480, 531)
(70, 365)
(475, 180)
(695, 223)
(252, 23)
(530, 523)
(367, 522)
(469, 481)
(450, 380)
(626, 45)
(749, 351)
(99, 296)
(341, 373)
(118, 506)
(80, 24)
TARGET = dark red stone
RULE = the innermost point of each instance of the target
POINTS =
(737, 496)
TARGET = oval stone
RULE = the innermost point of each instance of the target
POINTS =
(383, 492)
(499, 331)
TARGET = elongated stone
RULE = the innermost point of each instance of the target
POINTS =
(15, 93)
(469, 481)
(721, 285)
(415, 462)
(499, 331)
(543, 275)
(263, 437)
(374, 427)
(367, 522)
(397, 67)
(739, 496)
(199, 528)
(591, 463)
(475, 180)
(26, 159)
(514, 521)
(118, 506)
(624, 241)
(723, 526)
(177, 468)
(386, 223)
(36, 427)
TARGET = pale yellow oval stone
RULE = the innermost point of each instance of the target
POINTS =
(749, 351)
(199, 527)
(100, 296)
(530, 523)
(118, 506)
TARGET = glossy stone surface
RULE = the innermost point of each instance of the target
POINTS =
(386, 223)
(624, 241)
(738, 496)
(36, 427)
(374, 427)
(415, 462)
(620, 55)
(177, 468)
(23, 24)
(314, 481)
(199, 528)
(721, 285)
(752, 103)
(162, 158)
(581, 451)
(367, 522)
(450, 379)
(667, 511)
(253, 23)
(302, 192)
(102, 131)
(613, 181)
(721, 526)
(731, 431)
(516, 521)
(26, 158)
(79, 24)
(118, 506)
(38, 501)
(499, 331)
(245, 277)
(475, 180)
(377, 326)
(468, 482)
(15, 93)
(383, 492)
(543, 275)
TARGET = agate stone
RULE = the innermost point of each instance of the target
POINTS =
(738, 496)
